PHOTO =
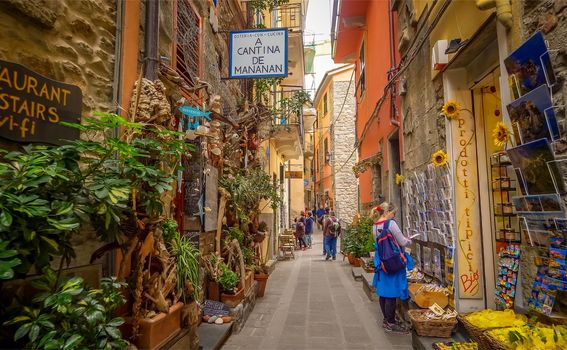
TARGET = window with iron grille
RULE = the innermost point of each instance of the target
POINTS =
(362, 71)
(188, 41)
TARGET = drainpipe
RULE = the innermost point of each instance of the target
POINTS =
(392, 70)
(503, 10)
(151, 40)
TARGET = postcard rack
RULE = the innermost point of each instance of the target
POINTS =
(506, 226)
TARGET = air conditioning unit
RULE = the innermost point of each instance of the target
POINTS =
(439, 58)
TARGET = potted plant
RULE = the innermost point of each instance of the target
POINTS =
(212, 264)
(232, 293)
(67, 315)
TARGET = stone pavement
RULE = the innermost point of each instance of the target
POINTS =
(311, 303)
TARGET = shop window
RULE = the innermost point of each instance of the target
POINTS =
(325, 105)
(376, 182)
(188, 45)
(362, 72)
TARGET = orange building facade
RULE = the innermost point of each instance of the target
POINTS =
(364, 34)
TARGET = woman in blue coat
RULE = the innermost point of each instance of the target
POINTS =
(390, 286)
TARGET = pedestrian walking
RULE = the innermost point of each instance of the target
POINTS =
(300, 232)
(320, 213)
(309, 223)
(391, 262)
(331, 231)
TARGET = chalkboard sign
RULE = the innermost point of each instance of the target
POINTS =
(215, 308)
(32, 106)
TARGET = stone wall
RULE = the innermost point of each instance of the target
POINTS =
(69, 41)
(72, 42)
(551, 18)
(342, 141)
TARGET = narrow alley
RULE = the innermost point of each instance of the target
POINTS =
(311, 303)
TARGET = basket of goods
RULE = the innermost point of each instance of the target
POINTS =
(451, 345)
(434, 322)
(538, 337)
(478, 323)
(425, 295)
(415, 276)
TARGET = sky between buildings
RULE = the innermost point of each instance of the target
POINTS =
(318, 33)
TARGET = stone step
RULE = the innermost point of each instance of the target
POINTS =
(357, 273)
(213, 336)
(367, 286)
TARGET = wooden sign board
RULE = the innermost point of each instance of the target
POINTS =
(32, 106)
(294, 174)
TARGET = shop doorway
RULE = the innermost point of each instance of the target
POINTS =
(394, 165)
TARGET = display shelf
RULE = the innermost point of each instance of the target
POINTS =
(508, 241)
(506, 224)
(504, 189)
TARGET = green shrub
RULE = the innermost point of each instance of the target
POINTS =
(228, 279)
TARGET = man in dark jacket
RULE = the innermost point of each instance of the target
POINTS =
(309, 222)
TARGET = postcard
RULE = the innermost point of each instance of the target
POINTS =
(534, 115)
(529, 65)
(531, 159)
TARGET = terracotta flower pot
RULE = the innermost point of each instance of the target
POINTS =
(232, 300)
(350, 259)
(356, 262)
(262, 279)
(158, 330)
(213, 291)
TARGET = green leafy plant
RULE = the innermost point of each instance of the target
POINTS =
(169, 227)
(248, 189)
(358, 240)
(228, 279)
(248, 255)
(8, 261)
(66, 315)
(188, 269)
(263, 5)
(293, 104)
(235, 233)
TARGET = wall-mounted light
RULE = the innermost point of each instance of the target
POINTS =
(439, 58)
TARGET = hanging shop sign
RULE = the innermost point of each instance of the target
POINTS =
(467, 210)
(294, 174)
(32, 106)
(258, 53)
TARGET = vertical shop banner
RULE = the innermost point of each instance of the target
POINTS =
(468, 243)
(32, 106)
(258, 53)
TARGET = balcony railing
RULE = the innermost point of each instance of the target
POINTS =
(286, 114)
(286, 16)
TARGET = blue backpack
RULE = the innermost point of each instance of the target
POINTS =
(392, 258)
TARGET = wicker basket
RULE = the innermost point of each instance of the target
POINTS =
(431, 328)
(478, 334)
(495, 344)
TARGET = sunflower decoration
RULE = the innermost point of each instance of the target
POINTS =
(501, 134)
(399, 179)
(451, 109)
(440, 158)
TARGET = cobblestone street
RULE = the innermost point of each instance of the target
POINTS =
(311, 303)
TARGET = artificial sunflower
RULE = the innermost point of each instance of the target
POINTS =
(399, 179)
(451, 109)
(440, 158)
(500, 134)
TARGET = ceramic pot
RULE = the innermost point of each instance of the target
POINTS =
(262, 279)
(232, 300)
(156, 331)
